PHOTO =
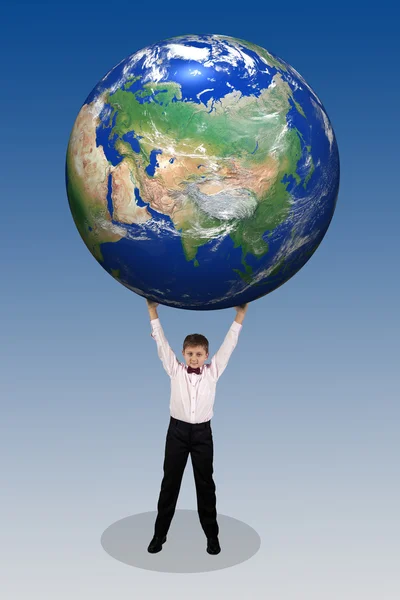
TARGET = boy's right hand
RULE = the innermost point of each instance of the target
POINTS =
(152, 307)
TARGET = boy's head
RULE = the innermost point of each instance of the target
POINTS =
(195, 349)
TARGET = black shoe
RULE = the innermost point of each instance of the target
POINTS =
(156, 544)
(213, 546)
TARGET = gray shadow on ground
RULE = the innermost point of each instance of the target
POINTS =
(184, 551)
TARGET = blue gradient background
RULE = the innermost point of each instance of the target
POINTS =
(306, 423)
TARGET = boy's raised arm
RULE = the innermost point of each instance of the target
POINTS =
(220, 359)
(165, 352)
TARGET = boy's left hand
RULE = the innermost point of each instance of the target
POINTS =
(240, 312)
(241, 309)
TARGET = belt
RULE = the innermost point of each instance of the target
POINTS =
(185, 424)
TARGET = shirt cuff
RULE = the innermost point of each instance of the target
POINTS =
(236, 326)
(155, 324)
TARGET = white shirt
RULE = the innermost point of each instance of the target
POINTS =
(192, 395)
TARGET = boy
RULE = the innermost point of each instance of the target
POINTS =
(191, 408)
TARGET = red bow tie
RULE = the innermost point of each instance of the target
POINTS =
(196, 370)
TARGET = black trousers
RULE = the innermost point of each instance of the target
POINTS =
(184, 438)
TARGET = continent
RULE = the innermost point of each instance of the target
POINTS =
(209, 177)
(87, 183)
(216, 164)
(88, 173)
(86, 160)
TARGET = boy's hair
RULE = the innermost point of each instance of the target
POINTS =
(195, 339)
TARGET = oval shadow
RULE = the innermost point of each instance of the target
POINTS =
(184, 551)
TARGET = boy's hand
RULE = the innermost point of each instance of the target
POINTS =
(242, 308)
(151, 303)
(152, 306)
(240, 312)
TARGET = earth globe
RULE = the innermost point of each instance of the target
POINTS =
(202, 172)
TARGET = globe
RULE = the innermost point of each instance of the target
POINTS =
(202, 172)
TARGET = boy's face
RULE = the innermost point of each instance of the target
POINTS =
(195, 356)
